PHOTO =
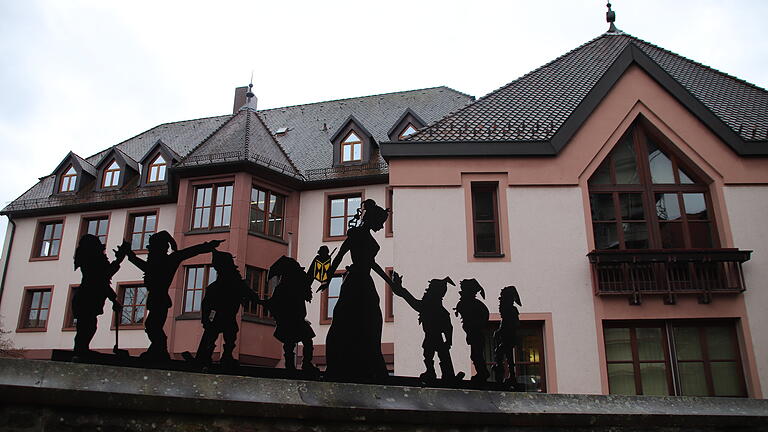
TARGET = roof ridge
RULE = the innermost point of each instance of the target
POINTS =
(494, 92)
(280, 146)
(213, 132)
(362, 97)
(725, 74)
(153, 128)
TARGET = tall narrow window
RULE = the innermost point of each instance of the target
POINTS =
(256, 280)
(69, 317)
(408, 131)
(198, 278)
(156, 171)
(49, 239)
(329, 298)
(351, 148)
(134, 300)
(35, 309)
(68, 180)
(389, 224)
(485, 219)
(389, 299)
(684, 358)
(341, 209)
(142, 226)
(267, 213)
(97, 226)
(642, 197)
(111, 175)
(212, 206)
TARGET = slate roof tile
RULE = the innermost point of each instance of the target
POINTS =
(535, 106)
(303, 151)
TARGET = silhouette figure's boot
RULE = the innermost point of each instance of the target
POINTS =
(290, 360)
(306, 361)
(429, 374)
(446, 370)
(482, 373)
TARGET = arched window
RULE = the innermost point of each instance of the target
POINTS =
(156, 172)
(643, 197)
(111, 175)
(408, 131)
(68, 180)
(351, 148)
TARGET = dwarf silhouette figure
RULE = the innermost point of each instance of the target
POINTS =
(436, 323)
(159, 269)
(474, 321)
(220, 305)
(287, 305)
(506, 337)
(88, 299)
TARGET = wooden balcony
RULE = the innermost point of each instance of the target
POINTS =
(669, 273)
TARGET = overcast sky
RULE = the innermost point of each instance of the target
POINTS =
(85, 75)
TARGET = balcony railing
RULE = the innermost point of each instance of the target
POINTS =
(636, 273)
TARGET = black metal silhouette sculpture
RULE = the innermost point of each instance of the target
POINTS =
(353, 344)
(159, 269)
(222, 300)
(474, 321)
(88, 300)
(436, 323)
(506, 337)
(288, 307)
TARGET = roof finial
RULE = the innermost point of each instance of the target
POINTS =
(610, 17)
(249, 95)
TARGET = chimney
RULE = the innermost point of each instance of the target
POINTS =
(240, 98)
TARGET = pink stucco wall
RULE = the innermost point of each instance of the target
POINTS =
(549, 233)
(60, 273)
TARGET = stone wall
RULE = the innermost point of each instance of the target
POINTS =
(58, 396)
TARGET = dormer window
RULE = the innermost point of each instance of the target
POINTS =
(68, 180)
(351, 148)
(156, 172)
(408, 124)
(408, 131)
(111, 175)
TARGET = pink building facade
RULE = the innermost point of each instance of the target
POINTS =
(619, 188)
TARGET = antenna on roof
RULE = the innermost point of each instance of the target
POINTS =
(610, 17)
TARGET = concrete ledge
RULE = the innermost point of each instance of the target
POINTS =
(114, 391)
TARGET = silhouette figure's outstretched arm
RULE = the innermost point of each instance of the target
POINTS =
(399, 290)
(138, 262)
(198, 249)
(335, 264)
(380, 271)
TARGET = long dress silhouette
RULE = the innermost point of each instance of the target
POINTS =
(353, 344)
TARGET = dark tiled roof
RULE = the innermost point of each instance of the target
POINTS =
(179, 136)
(304, 151)
(311, 126)
(534, 107)
(244, 137)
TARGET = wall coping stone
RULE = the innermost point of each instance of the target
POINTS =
(47, 383)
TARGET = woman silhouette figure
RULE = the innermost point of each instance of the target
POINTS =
(353, 344)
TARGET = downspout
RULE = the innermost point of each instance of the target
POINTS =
(7, 256)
